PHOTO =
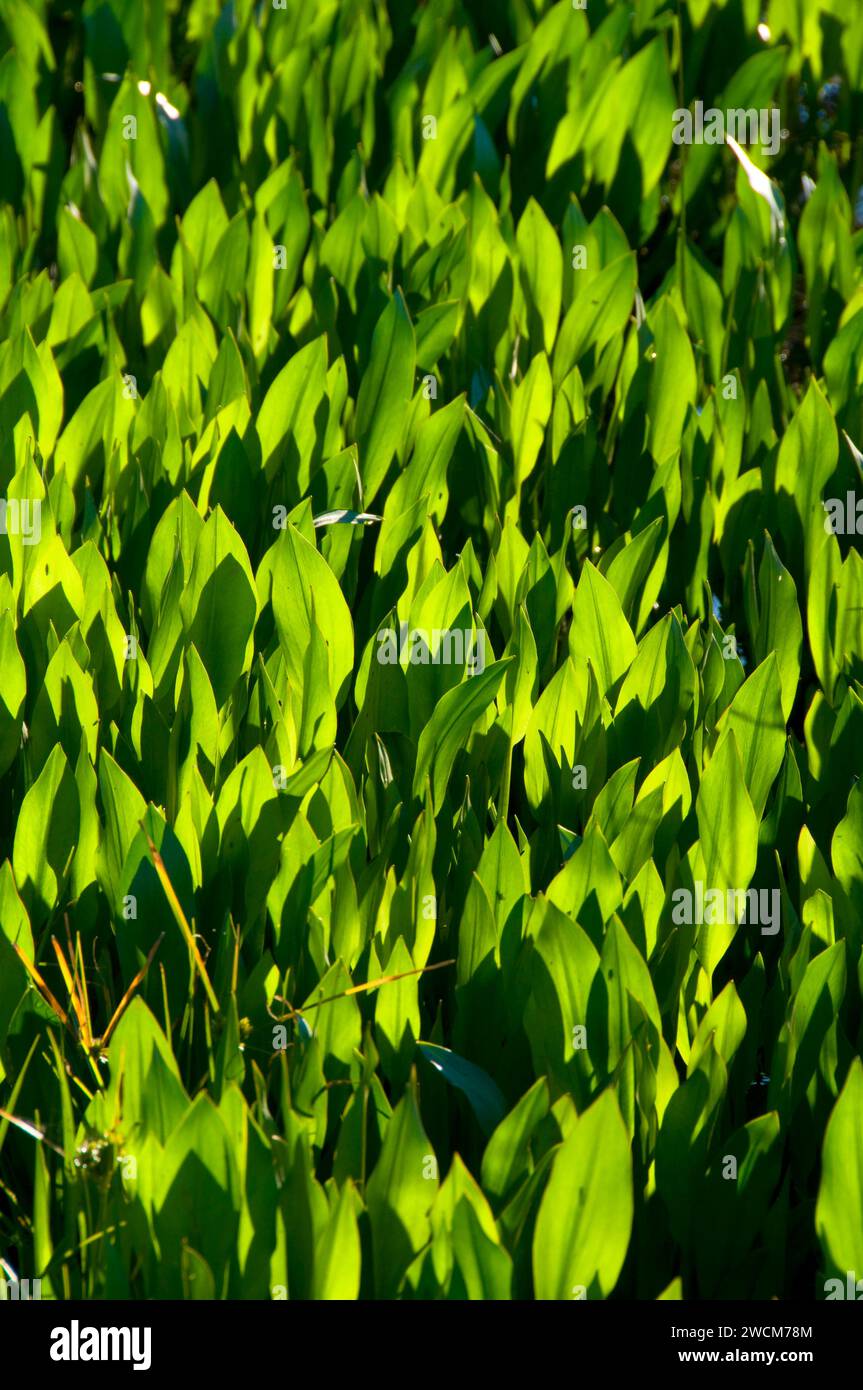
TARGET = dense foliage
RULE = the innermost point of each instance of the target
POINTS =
(429, 586)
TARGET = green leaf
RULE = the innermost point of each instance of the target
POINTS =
(596, 315)
(531, 412)
(731, 1211)
(385, 391)
(585, 1217)
(630, 566)
(755, 716)
(823, 612)
(399, 1196)
(260, 286)
(657, 693)
(484, 1265)
(807, 457)
(639, 103)
(485, 1096)
(542, 268)
(777, 627)
(436, 328)
(124, 808)
(197, 1198)
(287, 422)
(724, 1024)
(839, 1209)
(847, 847)
(599, 632)
(813, 1018)
(672, 381)
(337, 1254)
(219, 606)
(176, 534)
(13, 693)
(305, 590)
(450, 727)
(506, 1159)
(563, 969)
(46, 835)
(728, 827)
